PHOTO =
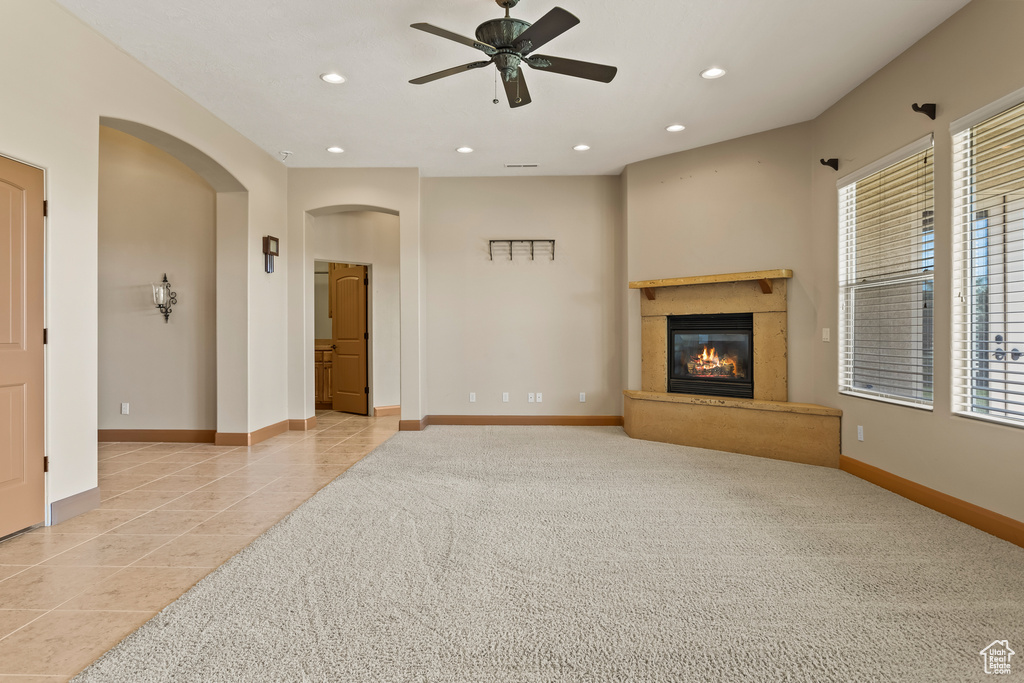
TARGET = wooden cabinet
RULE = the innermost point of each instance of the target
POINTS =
(324, 384)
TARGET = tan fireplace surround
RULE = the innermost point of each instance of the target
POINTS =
(767, 425)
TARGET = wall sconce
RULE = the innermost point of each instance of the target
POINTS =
(163, 297)
(271, 248)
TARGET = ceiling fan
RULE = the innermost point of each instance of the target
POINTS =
(510, 43)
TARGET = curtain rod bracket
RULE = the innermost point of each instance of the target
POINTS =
(928, 109)
(831, 163)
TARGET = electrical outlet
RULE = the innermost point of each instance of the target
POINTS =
(472, 397)
(860, 432)
(583, 397)
(529, 398)
(504, 397)
(540, 397)
(124, 408)
(826, 334)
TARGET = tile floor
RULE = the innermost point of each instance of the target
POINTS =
(171, 513)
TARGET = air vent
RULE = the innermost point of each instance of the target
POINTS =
(521, 165)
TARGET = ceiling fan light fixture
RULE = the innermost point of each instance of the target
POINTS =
(464, 150)
(675, 128)
(335, 150)
(712, 73)
(581, 148)
(332, 78)
(509, 44)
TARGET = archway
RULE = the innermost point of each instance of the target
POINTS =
(364, 236)
(229, 290)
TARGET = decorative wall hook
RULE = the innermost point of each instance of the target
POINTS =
(163, 297)
(928, 109)
(831, 163)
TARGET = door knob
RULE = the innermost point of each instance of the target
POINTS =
(999, 354)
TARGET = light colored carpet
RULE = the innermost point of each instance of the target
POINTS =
(578, 554)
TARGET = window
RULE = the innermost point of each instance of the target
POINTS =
(886, 278)
(988, 252)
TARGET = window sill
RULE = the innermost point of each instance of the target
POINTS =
(885, 399)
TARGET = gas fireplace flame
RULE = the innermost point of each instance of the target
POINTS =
(707, 363)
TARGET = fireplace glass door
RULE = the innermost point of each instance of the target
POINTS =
(711, 355)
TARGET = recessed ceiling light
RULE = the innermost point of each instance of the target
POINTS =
(335, 150)
(464, 150)
(675, 128)
(581, 148)
(713, 72)
(332, 78)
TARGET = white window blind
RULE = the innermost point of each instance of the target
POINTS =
(886, 281)
(988, 252)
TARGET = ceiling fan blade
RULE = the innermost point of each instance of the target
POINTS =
(472, 42)
(448, 72)
(572, 67)
(516, 91)
(550, 26)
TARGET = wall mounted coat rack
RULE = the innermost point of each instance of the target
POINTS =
(533, 246)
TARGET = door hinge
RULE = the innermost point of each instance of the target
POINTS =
(366, 281)
(366, 390)
(46, 208)
(46, 463)
(366, 335)
(45, 335)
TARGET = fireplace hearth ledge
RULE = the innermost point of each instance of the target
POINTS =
(795, 432)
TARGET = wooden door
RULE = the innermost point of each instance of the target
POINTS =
(348, 311)
(22, 500)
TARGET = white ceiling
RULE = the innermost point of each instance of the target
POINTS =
(256, 63)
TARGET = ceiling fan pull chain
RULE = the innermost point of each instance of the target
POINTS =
(496, 86)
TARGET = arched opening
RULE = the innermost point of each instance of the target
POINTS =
(167, 208)
(367, 237)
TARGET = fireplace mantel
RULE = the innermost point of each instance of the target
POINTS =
(763, 277)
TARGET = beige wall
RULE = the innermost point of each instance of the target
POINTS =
(523, 326)
(156, 216)
(969, 61)
(370, 238)
(67, 77)
(736, 206)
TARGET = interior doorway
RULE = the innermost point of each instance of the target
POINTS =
(343, 339)
(22, 483)
(359, 236)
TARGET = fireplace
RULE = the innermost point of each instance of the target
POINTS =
(711, 355)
